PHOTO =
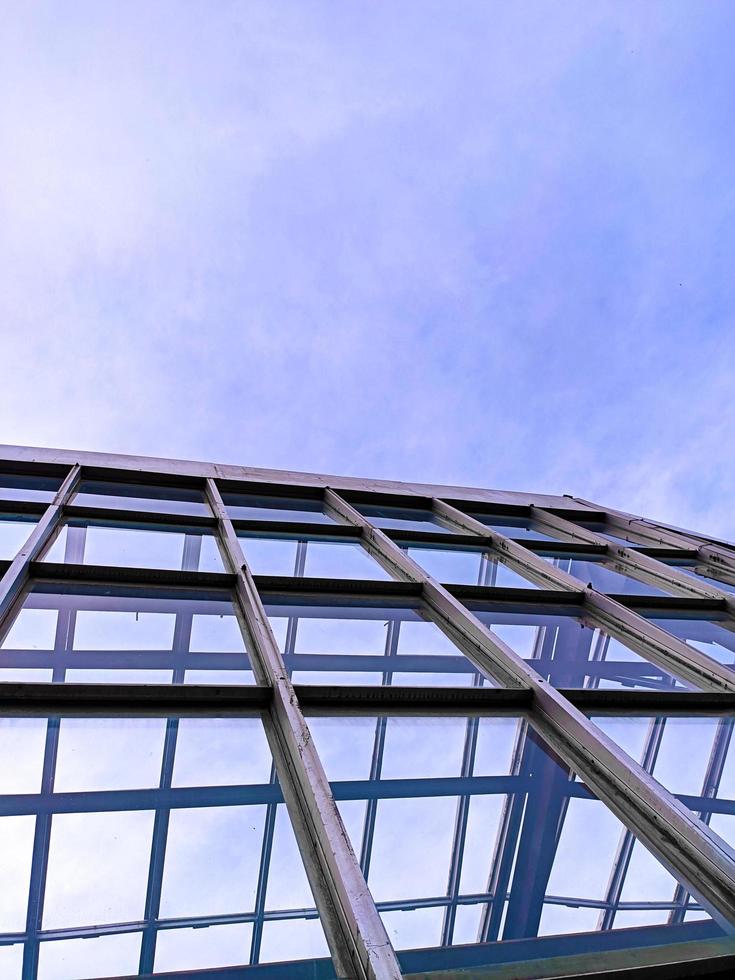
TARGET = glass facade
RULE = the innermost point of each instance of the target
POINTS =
(278, 726)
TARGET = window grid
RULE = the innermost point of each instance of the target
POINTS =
(356, 937)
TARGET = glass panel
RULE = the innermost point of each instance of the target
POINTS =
(604, 578)
(38, 488)
(187, 810)
(80, 542)
(84, 959)
(316, 559)
(572, 652)
(404, 519)
(192, 949)
(341, 559)
(14, 532)
(504, 822)
(253, 507)
(693, 757)
(105, 634)
(464, 567)
(625, 538)
(367, 644)
(704, 573)
(141, 496)
(516, 527)
(716, 639)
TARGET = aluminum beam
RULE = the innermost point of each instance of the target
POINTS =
(668, 828)
(357, 939)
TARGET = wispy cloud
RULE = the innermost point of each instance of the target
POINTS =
(490, 248)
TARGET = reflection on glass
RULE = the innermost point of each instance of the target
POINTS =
(315, 559)
(505, 823)
(516, 527)
(571, 652)
(693, 757)
(105, 634)
(603, 577)
(254, 507)
(14, 532)
(716, 639)
(160, 843)
(458, 566)
(190, 549)
(141, 496)
(706, 575)
(627, 538)
(404, 519)
(367, 644)
(37, 488)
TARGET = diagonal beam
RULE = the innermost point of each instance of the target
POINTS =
(356, 935)
(698, 858)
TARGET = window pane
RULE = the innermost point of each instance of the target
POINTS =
(135, 547)
(404, 519)
(715, 639)
(16, 850)
(97, 868)
(212, 860)
(341, 559)
(85, 959)
(462, 567)
(626, 538)
(14, 532)
(253, 507)
(316, 559)
(38, 488)
(572, 652)
(126, 635)
(190, 806)
(693, 757)
(705, 574)
(516, 527)
(367, 645)
(192, 949)
(604, 578)
(141, 496)
(490, 803)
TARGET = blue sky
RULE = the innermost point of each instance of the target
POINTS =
(483, 243)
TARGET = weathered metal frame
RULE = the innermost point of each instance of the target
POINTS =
(357, 938)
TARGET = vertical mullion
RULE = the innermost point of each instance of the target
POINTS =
(180, 648)
(158, 853)
(63, 644)
(376, 762)
(40, 854)
(269, 826)
(356, 935)
(460, 833)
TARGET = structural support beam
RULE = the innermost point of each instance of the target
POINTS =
(644, 567)
(357, 939)
(666, 826)
(637, 632)
(15, 578)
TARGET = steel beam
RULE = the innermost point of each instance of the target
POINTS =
(16, 576)
(698, 857)
(357, 939)
(620, 621)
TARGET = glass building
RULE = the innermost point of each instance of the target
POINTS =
(280, 725)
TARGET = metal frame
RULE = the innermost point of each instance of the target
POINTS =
(357, 938)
